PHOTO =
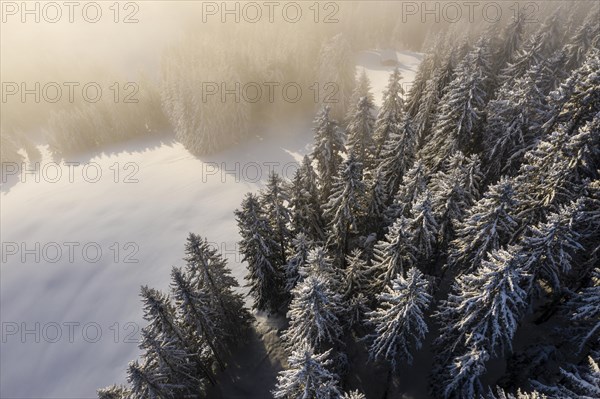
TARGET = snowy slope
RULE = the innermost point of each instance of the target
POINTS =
(46, 355)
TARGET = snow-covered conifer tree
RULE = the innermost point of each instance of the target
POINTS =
(397, 154)
(486, 305)
(302, 245)
(576, 382)
(399, 320)
(114, 392)
(307, 376)
(423, 227)
(360, 131)
(413, 184)
(305, 204)
(458, 122)
(329, 144)
(263, 254)
(487, 226)
(394, 255)
(195, 312)
(584, 311)
(207, 269)
(273, 202)
(391, 111)
(346, 207)
(336, 66)
(376, 203)
(549, 246)
(314, 314)
(147, 383)
(355, 287)
(463, 374)
(453, 191)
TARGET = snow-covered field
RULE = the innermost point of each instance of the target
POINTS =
(71, 318)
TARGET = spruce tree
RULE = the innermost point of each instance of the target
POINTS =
(413, 184)
(302, 245)
(487, 226)
(458, 122)
(336, 65)
(207, 270)
(453, 191)
(307, 376)
(376, 203)
(346, 207)
(423, 227)
(355, 287)
(314, 314)
(195, 312)
(397, 155)
(485, 307)
(274, 200)
(329, 144)
(305, 207)
(399, 320)
(584, 311)
(391, 111)
(360, 131)
(394, 255)
(463, 374)
(114, 392)
(266, 276)
(147, 383)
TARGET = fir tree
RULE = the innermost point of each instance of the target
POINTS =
(391, 111)
(454, 191)
(273, 203)
(511, 41)
(486, 305)
(413, 184)
(463, 374)
(355, 276)
(584, 311)
(329, 144)
(319, 263)
(397, 155)
(114, 392)
(360, 131)
(314, 314)
(195, 312)
(549, 247)
(355, 287)
(514, 121)
(346, 206)
(394, 255)
(207, 270)
(304, 203)
(575, 102)
(146, 383)
(266, 277)
(576, 382)
(375, 203)
(458, 123)
(423, 227)
(302, 245)
(307, 376)
(399, 320)
(488, 225)
(336, 65)
(165, 331)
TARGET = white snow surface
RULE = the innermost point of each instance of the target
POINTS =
(65, 328)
